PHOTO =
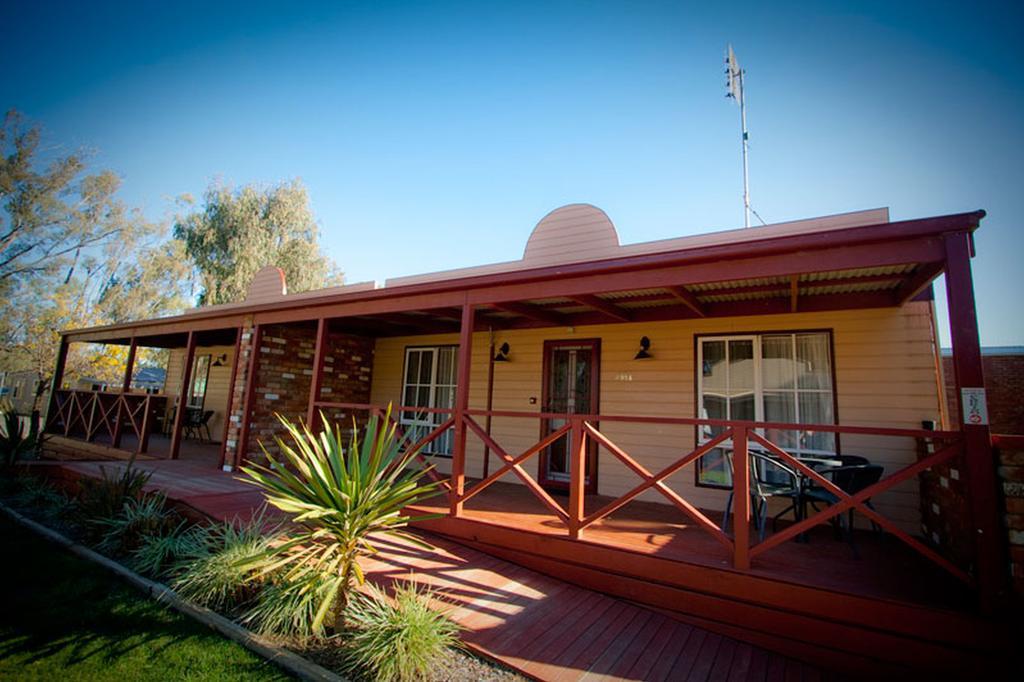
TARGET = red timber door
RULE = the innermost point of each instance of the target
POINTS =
(571, 373)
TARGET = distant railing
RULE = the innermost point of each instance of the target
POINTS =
(86, 415)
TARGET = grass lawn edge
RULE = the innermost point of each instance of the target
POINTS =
(288, 660)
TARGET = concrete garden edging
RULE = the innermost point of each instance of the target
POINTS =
(288, 660)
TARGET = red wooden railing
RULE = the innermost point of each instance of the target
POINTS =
(738, 436)
(88, 414)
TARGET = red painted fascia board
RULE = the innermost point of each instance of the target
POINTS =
(869, 234)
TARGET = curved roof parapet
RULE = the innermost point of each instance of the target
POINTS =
(576, 232)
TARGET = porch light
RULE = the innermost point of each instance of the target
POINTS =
(221, 360)
(502, 354)
(645, 346)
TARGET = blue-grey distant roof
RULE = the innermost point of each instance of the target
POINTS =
(991, 350)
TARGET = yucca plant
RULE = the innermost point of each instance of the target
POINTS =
(338, 498)
(398, 639)
(288, 607)
(221, 569)
(156, 555)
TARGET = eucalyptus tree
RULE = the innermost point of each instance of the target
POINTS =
(235, 232)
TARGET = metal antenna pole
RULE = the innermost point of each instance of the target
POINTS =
(746, 141)
(734, 89)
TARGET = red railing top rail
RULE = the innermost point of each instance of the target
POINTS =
(675, 421)
(1008, 441)
(85, 391)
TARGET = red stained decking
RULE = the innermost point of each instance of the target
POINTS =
(546, 628)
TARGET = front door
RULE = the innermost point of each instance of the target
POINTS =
(570, 387)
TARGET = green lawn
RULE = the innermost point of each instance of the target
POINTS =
(62, 618)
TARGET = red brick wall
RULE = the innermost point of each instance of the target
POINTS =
(1004, 388)
(284, 373)
(944, 508)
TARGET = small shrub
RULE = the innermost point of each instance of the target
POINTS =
(223, 571)
(139, 517)
(288, 606)
(156, 555)
(103, 498)
(398, 639)
(41, 495)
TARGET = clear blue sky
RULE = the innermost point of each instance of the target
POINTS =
(434, 135)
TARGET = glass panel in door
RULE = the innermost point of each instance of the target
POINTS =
(570, 391)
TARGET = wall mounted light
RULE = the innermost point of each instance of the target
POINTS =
(502, 354)
(221, 360)
(645, 347)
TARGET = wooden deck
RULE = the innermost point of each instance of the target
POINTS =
(876, 566)
(546, 628)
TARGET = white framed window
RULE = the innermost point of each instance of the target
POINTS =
(777, 377)
(429, 381)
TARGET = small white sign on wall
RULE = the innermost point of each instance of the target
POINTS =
(974, 405)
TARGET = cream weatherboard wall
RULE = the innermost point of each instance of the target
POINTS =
(217, 387)
(885, 376)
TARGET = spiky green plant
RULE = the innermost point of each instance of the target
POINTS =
(222, 570)
(338, 498)
(139, 517)
(289, 607)
(398, 639)
(157, 555)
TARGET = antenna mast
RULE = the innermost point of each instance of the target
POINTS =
(734, 89)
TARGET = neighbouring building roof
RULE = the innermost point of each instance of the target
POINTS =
(991, 350)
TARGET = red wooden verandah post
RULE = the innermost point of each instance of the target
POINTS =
(982, 485)
(126, 385)
(186, 376)
(58, 379)
(458, 477)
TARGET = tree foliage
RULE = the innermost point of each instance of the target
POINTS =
(238, 231)
(73, 255)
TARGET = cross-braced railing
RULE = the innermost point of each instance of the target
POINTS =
(738, 437)
(89, 414)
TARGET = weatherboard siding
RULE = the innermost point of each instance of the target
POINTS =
(885, 377)
(217, 388)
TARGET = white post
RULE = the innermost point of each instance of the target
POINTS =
(746, 177)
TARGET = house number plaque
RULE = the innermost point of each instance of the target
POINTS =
(974, 405)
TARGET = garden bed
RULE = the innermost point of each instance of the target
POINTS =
(50, 507)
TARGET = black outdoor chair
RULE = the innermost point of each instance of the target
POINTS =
(197, 421)
(768, 478)
(851, 479)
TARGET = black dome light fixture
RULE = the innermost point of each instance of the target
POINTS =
(502, 354)
(645, 347)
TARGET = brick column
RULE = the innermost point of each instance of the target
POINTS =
(241, 372)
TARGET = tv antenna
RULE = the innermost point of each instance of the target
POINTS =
(734, 89)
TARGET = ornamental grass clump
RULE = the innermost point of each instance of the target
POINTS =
(222, 570)
(157, 555)
(338, 498)
(139, 518)
(103, 498)
(400, 639)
